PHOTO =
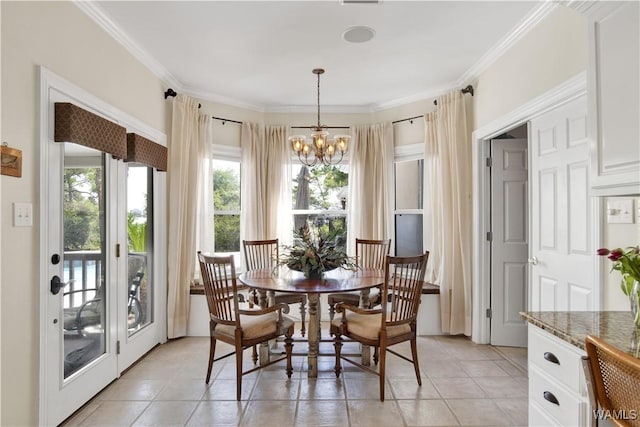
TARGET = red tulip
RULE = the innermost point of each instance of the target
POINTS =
(603, 251)
(615, 255)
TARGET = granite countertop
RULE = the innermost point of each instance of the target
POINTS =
(615, 327)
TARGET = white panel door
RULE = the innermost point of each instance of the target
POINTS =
(562, 259)
(510, 242)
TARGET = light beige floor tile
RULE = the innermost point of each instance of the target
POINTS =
(219, 414)
(478, 412)
(357, 389)
(269, 413)
(322, 413)
(272, 389)
(126, 389)
(82, 413)
(166, 414)
(510, 368)
(115, 413)
(457, 388)
(321, 389)
(374, 413)
(516, 409)
(502, 386)
(183, 389)
(406, 388)
(226, 390)
(482, 368)
(442, 368)
(427, 413)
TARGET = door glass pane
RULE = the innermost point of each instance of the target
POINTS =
(84, 299)
(140, 241)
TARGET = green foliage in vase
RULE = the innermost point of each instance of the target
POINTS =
(313, 255)
(627, 262)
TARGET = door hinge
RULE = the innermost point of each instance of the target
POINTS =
(118, 347)
(489, 313)
(489, 162)
(489, 236)
(117, 250)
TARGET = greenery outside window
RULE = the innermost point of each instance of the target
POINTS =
(319, 198)
(226, 206)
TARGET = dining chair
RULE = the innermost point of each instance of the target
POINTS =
(369, 254)
(263, 254)
(240, 328)
(614, 377)
(394, 322)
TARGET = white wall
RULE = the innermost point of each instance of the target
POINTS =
(60, 37)
(554, 51)
(618, 236)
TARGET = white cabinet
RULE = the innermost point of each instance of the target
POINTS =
(557, 390)
(614, 97)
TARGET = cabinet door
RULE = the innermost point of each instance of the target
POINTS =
(614, 97)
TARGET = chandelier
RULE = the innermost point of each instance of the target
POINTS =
(325, 149)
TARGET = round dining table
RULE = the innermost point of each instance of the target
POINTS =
(285, 280)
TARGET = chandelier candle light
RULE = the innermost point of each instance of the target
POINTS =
(325, 149)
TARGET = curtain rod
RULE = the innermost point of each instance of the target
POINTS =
(468, 89)
(170, 92)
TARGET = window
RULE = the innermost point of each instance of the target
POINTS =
(320, 198)
(226, 206)
(408, 207)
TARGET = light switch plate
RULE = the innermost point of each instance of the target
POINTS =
(620, 210)
(22, 215)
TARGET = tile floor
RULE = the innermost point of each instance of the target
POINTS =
(462, 384)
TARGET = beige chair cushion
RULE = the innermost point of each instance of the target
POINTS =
(256, 326)
(368, 325)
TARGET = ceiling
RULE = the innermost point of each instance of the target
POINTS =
(260, 55)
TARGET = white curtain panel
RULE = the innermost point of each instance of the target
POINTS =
(448, 184)
(370, 183)
(265, 162)
(187, 148)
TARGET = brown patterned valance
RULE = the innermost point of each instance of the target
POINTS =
(74, 124)
(145, 151)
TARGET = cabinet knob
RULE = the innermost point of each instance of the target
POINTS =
(550, 397)
(550, 357)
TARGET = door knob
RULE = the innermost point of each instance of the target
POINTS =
(57, 284)
(533, 260)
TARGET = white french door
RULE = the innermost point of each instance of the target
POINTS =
(101, 300)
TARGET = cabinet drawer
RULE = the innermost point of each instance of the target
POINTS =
(555, 357)
(554, 399)
(539, 418)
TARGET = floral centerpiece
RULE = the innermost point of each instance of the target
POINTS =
(315, 253)
(627, 262)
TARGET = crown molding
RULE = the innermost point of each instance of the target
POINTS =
(429, 94)
(525, 25)
(93, 11)
(221, 99)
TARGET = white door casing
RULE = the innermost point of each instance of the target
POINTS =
(563, 267)
(510, 241)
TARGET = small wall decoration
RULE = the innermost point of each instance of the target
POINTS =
(10, 161)
(620, 210)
